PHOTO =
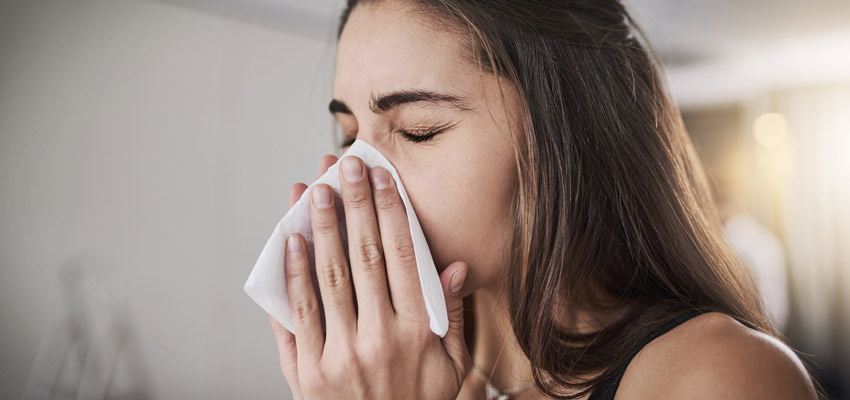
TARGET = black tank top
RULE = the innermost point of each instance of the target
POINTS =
(609, 388)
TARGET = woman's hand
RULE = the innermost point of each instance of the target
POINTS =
(384, 350)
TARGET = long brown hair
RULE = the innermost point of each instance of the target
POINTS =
(613, 213)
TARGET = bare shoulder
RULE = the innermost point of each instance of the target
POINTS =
(714, 356)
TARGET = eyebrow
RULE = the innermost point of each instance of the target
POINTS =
(385, 102)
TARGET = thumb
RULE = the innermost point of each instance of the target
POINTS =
(453, 279)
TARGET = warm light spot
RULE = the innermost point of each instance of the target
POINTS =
(770, 130)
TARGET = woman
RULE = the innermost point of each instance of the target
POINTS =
(558, 190)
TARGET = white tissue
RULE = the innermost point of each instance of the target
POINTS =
(266, 284)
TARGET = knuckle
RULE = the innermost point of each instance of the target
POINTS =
(378, 327)
(348, 358)
(455, 312)
(325, 226)
(387, 201)
(403, 247)
(375, 354)
(422, 334)
(382, 328)
(335, 275)
(415, 324)
(370, 254)
(358, 199)
(304, 310)
(345, 361)
(295, 271)
(418, 332)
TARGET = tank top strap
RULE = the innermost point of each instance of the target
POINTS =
(609, 388)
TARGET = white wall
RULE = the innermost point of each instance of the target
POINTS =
(159, 142)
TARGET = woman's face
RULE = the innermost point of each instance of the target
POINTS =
(460, 181)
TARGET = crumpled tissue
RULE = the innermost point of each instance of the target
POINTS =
(266, 284)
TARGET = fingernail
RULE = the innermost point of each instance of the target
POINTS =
(293, 244)
(380, 178)
(321, 196)
(352, 170)
(457, 280)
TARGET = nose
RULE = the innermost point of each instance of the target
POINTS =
(381, 146)
(366, 138)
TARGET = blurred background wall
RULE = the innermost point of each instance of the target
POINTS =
(147, 148)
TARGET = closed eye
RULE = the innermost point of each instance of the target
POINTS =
(415, 136)
(420, 137)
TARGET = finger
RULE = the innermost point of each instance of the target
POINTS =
(285, 339)
(288, 356)
(326, 162)
(331, 265)
(295, 192)
(302, 301)
(365, 249)
(402, 273)
(452, 280)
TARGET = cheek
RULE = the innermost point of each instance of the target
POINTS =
(465, 213)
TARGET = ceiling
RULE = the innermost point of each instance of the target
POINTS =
(717, 51)
(724, 51)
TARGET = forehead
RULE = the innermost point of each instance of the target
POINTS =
(386, 47)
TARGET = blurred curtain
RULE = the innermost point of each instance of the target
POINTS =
(814, 207)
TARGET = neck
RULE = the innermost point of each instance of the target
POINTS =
(496, 350)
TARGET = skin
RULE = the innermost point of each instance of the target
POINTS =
(461, 183)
